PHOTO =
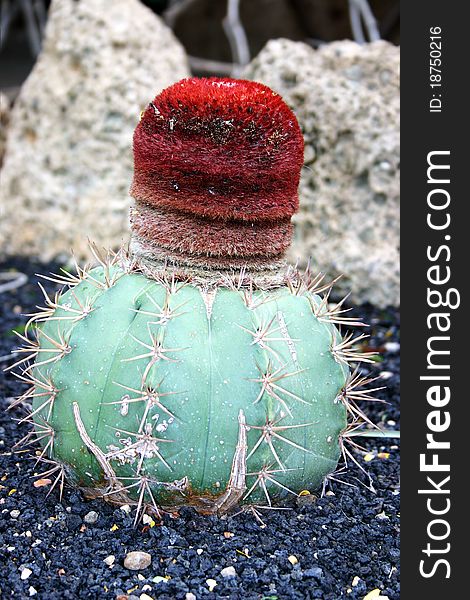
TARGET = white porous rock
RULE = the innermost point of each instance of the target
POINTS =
(346, 98)
(68, 162)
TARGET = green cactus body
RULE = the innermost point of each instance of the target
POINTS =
(159, 373)
(198, 367)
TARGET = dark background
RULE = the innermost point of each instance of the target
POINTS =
(198, 25)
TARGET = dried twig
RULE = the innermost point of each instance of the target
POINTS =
(32, 26)
(236, 36)
(175, 9)
(13, 280)
(361, 15)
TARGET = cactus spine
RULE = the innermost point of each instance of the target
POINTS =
(197, 369)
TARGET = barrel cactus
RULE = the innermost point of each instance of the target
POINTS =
(196, 367)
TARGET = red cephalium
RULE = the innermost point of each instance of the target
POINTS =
(222, 150)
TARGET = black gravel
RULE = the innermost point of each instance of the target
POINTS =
(345, 544)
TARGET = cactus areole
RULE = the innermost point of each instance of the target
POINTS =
(197, 368)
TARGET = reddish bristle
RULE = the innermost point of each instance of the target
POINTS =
(179, 233)
(219, 148)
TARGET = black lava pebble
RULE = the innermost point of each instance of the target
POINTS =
(343, 544)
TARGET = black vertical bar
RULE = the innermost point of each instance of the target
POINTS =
(434, 120)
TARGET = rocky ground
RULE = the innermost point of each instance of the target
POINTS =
(344, 544)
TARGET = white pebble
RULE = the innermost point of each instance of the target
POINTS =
(14, 514)
(32, 591)
(382, 515)
(392, 347)
(147, 520)
(137, 560)
(109, 560)
(211, 583)
(190, 596)
(25, 573)
(199, 551)
(125, 508)
(91, 517)
(228, 572)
